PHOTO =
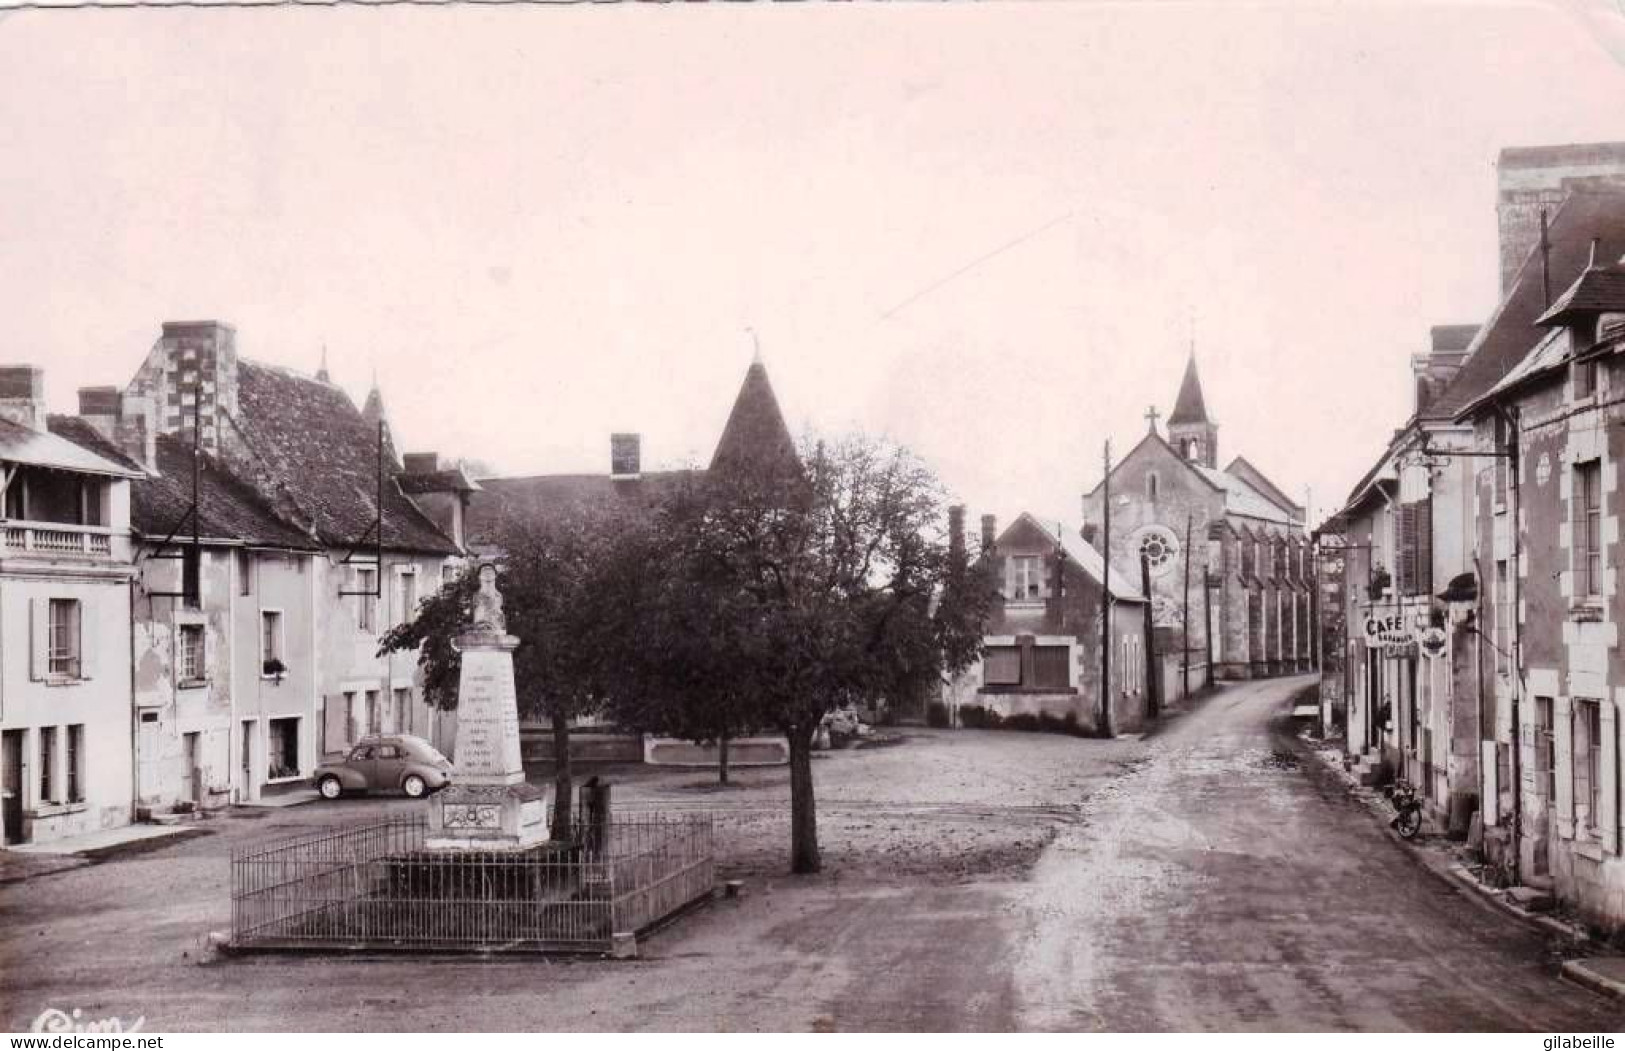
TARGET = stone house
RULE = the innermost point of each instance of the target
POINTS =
(64, 625)
(1548, 523)
(1042, 640)
(271, 661)
(1231, 581)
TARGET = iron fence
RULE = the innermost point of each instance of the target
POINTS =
(377, 887)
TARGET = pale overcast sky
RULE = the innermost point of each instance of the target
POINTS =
(981, 229)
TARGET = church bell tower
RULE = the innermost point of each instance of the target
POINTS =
(1192, 434)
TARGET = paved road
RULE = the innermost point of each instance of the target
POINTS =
(1222, 886)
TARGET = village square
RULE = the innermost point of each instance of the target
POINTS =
(570, 621)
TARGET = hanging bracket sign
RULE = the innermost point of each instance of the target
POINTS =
(1389, 633)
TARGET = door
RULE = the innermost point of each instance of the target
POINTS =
(189, 771)
(245, 752)
(362, 762)
(11, 785)
(388, 766)
(149, 749)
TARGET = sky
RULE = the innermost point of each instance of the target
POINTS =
(989, 232)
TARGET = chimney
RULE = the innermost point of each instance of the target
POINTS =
(128, 421)
(956, 533)
(1089, 531)
(420, 463)
(625, 455)
(989, 531)
(22, 395)
(196, 360)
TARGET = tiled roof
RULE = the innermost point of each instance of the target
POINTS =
(1087, 558)
(1510, 332)
(1189, 407)
(756, 432)
(324, 454)
(1242, 499)
(1597, 290)
(1247, 471)
(453, 480)
(1448, 338)
(228, 508)
(80, 432)
(501, 501)
(20, 444)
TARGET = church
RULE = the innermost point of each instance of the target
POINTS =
(1229, 565)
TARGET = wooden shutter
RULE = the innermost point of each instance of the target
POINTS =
(87, 640)
(1424, 546)
(1608, 774)
(1406, 584)
(1577, 533)
(39, 626)
(1563, 765)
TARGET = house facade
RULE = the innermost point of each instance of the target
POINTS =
(65, 735)
(1550, 519)
(1041, 645)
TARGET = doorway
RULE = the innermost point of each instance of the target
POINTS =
(12, 779)
(189, 771)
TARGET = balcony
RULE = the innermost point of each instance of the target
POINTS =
(56, 539)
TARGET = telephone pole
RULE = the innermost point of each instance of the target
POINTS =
(1106, 597)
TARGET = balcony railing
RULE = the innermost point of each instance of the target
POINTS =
(58, 538)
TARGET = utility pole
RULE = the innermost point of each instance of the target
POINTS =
(1106, 597)
(1185, 621)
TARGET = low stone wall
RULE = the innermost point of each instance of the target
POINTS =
(745, 751)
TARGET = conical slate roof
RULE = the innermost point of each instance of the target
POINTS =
(1189, 406)
(756, 432)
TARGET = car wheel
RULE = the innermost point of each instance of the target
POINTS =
(329, 787)
(414, 786)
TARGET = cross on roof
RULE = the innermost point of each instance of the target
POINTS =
(1151, 415)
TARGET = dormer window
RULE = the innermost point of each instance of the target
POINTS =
(1026, 578)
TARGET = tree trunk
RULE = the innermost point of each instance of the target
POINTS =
(722, 759)
(803, 811)
(562, 782)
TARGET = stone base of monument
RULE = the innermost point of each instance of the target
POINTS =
(487, 818)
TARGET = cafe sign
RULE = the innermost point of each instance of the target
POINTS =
(1390, 633)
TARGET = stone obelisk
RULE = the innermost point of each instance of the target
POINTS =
(488, 805)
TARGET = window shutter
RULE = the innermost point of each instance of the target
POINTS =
(1424, 541)
(87, 641)
(39, 625)
(1407, 550)
(1608, 819)
(1577, 533)
(1563, 764)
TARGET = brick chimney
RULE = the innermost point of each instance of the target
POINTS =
(990, 530)
(22, 395)
(625, 455)
(128, 421)
(420, 463)
(956, 533)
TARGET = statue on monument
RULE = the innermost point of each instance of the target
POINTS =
(488, 614)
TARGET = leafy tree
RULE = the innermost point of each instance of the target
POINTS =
(798, 588)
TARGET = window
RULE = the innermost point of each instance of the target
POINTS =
(1587, 502)
(1001, 666)
(401, 710)
(1151, 484)
(1503, 620)
(1545, 769)
(75, 767)
(193, 666)
(1051, 666)
(1027, 577)
(62, 640)
(366, 582)
(406, 586)
(1587, 764)
(245, 573)
(1585, 378)
(271, 642)
(194, 562)
(373, 714)
(448, 573)
(47, 764)
(387, 751)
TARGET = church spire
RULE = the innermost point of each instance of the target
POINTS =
(321, 373)
(1190, 430)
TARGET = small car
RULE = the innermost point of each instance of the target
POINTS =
(387, 763)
